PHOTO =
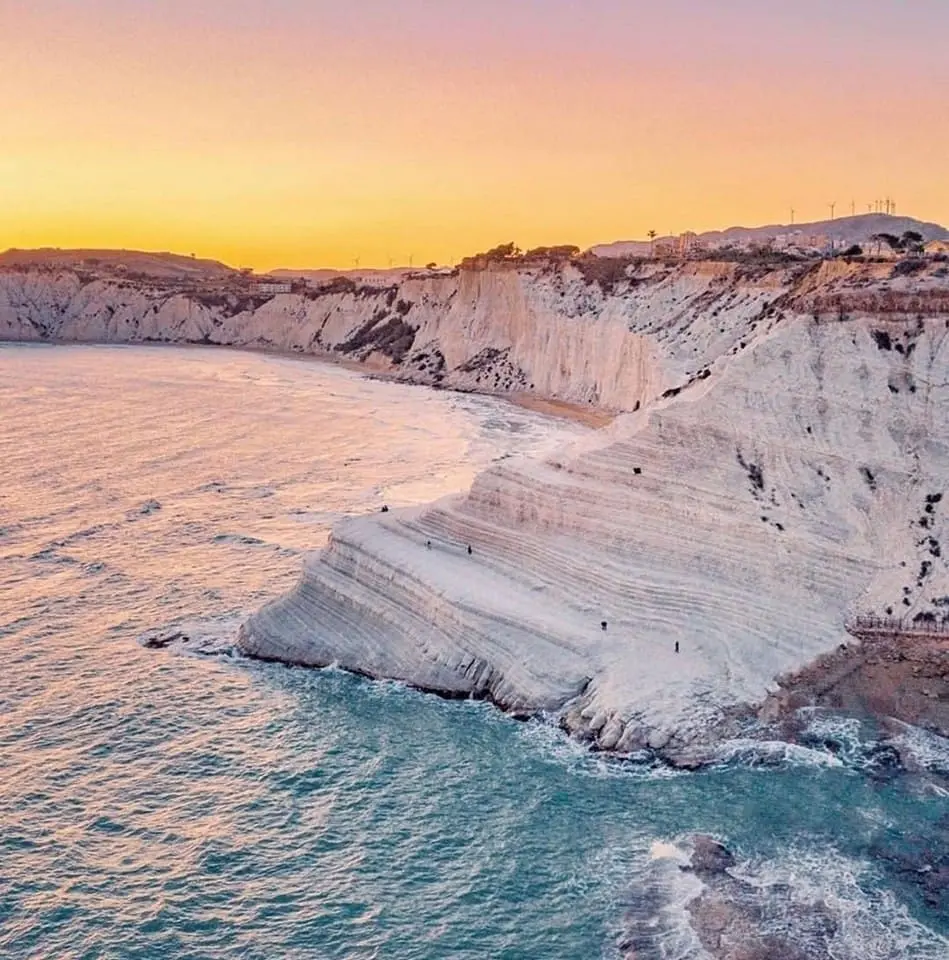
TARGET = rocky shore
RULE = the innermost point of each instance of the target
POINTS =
(897, 678)
(776, 466)
(738, 920)
(698, 899)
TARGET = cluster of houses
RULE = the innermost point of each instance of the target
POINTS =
(691, 246)
(269, 286)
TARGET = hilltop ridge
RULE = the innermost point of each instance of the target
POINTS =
(158, 265)
(845, 231)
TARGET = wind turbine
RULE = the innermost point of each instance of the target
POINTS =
(832, 205)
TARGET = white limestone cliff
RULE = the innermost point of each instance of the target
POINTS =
(601, 339)
(782, 467)
(748, 517)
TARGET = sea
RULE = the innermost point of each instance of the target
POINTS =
(187, 802)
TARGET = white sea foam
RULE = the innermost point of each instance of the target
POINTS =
(925, 748)
(656, 922)
(870, 923)
(823, 902)
(551, 743)
(771, 753)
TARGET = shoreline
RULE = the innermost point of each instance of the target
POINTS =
(901, 679)
(593, 417)
(906, 682)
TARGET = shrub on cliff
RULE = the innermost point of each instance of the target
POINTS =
(606, 272)
(503, 253)
(559, 253)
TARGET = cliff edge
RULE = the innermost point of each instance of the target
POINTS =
(779, 471)
(785, 473)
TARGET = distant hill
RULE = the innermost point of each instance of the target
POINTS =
(844, 230)
(159, 265)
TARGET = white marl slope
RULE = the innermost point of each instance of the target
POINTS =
(747, 517)
(783, 472)
(556, 331)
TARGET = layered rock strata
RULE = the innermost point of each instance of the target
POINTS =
(615, 335)
(780, 470)
(746, 517)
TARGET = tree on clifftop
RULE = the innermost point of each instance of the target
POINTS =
(504, 251)
(566, 251)
(911, 242)
(893, 242)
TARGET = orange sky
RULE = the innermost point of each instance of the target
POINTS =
(295, 133)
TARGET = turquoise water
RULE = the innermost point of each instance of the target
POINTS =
(188, 803)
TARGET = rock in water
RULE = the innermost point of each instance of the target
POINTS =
(710, 856)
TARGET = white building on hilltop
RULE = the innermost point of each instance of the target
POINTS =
(273, 286)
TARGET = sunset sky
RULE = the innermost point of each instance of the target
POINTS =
(312, 132)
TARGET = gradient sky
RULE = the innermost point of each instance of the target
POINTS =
(311, 132)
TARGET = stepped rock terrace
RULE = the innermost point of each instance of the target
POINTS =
(776, 469)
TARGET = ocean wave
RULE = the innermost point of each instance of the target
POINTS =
(923, 748)
(870, 924)
(748, 752)
(546, 740)
(197, 637)
(825, 905)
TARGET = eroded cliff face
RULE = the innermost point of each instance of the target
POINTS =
(782, 468)
(616, 338)
(792, 478)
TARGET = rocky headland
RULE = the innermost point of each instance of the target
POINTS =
(775, 472)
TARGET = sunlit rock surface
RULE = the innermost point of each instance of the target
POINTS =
(747, 518)
(781, 468)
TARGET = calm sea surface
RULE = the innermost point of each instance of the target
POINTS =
(188, 803)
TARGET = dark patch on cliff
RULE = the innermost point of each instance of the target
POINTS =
(755, 473)
(392, 337)
(606, 272)
(484, 360)
(428, 363)
(494, 370)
